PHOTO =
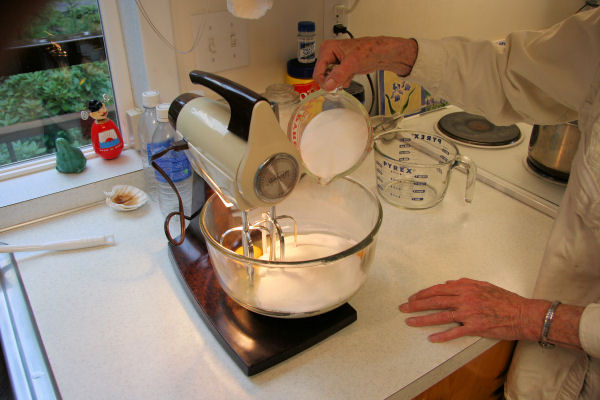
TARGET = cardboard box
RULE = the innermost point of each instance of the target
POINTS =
(397, 95)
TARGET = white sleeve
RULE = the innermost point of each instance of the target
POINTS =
(589, 328)
(538, 77)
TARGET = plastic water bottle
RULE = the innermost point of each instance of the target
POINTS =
(176, 166)
(146, 127)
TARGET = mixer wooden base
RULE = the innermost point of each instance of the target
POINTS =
(272, 339)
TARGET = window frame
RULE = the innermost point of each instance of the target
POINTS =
(35, 191)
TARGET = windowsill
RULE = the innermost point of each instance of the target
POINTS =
(44, 193)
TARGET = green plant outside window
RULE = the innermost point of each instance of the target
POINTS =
(37, 107)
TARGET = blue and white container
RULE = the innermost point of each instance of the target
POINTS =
(306, 42)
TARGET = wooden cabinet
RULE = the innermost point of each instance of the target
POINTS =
(481, 379)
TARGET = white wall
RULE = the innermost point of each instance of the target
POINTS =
(272, 39)
(471, 18)
(152, 63)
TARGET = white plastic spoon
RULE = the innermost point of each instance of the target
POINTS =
(61, 245)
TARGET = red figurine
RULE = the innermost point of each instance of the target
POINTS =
(106, 137)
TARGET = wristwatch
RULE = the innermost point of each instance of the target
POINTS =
(546, 328)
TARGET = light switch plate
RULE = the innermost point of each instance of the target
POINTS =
(223, 42)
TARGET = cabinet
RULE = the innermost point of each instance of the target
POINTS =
(480, 379)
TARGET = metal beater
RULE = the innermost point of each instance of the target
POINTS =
(271, 234)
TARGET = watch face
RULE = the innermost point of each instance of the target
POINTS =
(276, 177)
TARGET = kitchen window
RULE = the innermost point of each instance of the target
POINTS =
(33, 189)
(57, 65)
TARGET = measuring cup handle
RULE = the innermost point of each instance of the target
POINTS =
(471, 169)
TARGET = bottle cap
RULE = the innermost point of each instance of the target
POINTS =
(162, 112)
(150, 98)
(299, 70)
(306, 26)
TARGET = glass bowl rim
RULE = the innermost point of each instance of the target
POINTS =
(367, 240)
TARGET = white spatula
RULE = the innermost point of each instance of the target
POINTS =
(61, 245)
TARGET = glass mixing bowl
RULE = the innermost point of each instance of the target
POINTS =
(337, 225)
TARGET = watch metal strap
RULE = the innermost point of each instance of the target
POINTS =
(547, 322)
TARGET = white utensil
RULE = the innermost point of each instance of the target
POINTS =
(61, 245)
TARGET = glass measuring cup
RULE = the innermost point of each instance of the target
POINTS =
(332, 131)
(413, 168)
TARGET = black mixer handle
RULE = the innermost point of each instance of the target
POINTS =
(241, 99)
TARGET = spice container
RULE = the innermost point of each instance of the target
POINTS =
(306, 42)
(300, 77)
(300, 69)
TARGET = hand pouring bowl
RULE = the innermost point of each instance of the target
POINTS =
(329, 246)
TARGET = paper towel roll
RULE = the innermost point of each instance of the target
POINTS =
(249, 9)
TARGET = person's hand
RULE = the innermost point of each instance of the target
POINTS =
(340, 60)
(479, 308)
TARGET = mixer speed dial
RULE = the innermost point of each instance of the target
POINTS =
(276, 177)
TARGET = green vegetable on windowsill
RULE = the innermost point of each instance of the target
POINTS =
(69, 159)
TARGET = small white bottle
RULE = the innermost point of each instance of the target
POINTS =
(177, 167)
(146, 127)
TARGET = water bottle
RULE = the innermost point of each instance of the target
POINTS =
(146, 127)
(176, 166)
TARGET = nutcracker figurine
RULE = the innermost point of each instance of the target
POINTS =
(106, 137)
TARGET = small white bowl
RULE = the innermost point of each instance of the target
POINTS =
(125, 198)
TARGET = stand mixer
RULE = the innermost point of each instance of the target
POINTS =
(239, 149)
(315, 253)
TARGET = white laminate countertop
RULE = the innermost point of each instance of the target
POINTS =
(117, 324)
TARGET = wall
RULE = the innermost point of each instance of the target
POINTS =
(272, 39)
(471, 18)
(151, 61)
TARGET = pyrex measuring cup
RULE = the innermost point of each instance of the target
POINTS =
(413, 168)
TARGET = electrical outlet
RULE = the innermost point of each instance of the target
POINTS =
(339, 12)
(223, 43)
(334, 12)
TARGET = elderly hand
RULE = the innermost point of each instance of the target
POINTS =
(480, 308)
(361, 56)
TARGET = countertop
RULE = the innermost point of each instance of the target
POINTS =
(503, 167)
(116, 322)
